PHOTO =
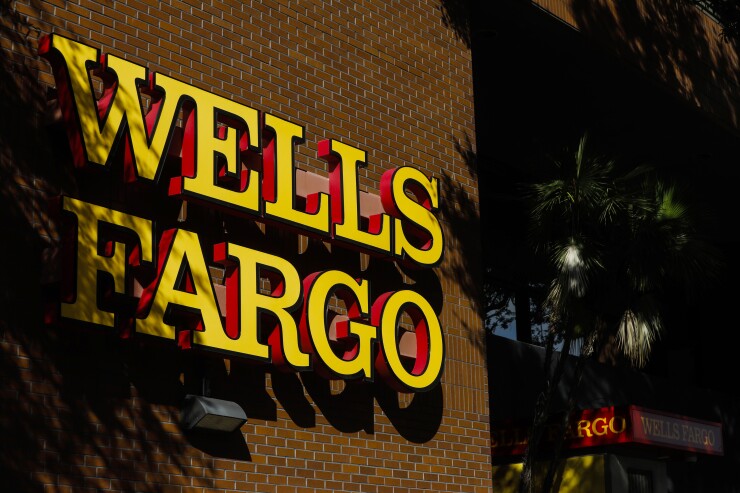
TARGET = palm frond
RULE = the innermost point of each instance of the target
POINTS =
(612, 238)
(636, 333)
(669, 208)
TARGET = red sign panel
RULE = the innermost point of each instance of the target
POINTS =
(589, 428)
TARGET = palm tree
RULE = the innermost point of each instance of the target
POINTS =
(614, 241)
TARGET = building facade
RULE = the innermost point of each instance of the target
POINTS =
(652, 83)
(178, 177)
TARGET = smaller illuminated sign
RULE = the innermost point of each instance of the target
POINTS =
(613, 425)
(588, 428)
(673, 431)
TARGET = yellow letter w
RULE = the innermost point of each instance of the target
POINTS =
(96, 125)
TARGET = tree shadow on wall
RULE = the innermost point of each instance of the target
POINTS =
(674, 43)
(463, 251)
(72, 400)
(456, 16)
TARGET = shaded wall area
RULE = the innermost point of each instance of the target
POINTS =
(539, 85)
(74, 412)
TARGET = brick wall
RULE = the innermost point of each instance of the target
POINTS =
(82, 410)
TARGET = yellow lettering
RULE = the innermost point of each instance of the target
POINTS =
(427, 368)
(217, 133)
(584, 427)
(90, 261)
(416, 232)
(95, 126)
(246, 304)
(221, 142)
(344, 191)
(357, 360)
(622, 424)
(602, 428)
(278, 187)
(182, 294)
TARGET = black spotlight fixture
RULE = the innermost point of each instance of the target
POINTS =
(207, 413)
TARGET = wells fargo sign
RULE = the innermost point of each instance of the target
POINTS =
(674, 431)
(242, 162)
(612, 425)
(588, 428)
